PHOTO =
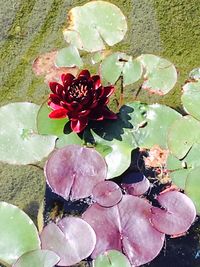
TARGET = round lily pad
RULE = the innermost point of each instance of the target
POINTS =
(106, 23)
(37, 258)
(112, 258)
(180, 169)
(147, 127)
(48, 126)
(125, 227)
(72, 239)
(183, 133)
(73, 171)
(68, 57)
(118, 64)
(107, 193)
(160, 74)
(195, 74)
(18, 234)
(137, 188)
(192, 187)
(177, 215)
(191, 98)
(19, 141)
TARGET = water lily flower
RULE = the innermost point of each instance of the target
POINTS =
(81, 99)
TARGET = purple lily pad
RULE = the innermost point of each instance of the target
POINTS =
(177, 216)
(72, 240)
(138, 188)
(107, 193)
(73, 171)
(125, 227)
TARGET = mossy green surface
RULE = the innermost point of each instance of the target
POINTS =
(167, 28)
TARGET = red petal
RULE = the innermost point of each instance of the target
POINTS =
(55, 99)
(58, 114)
(96, 81)
(84, 73)
(67, 79)
(53, 106)
(108, 114)
(79, 125)
(107, 91)
(56, 88)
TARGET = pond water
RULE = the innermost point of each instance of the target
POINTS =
(167, 28)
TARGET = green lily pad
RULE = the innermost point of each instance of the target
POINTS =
(112, 66)
(48, 126)
(68, 139)
(37, 258)
(117, 64)
(18, 234)
(192, 187)
(183, 133)
(19, 141)
(179, 169)
(93, 23)
(195, 74)
(120, 155)
(68, 57)
(132, 71)
(112, 258)
(191, 98)
(151, 123)
(160, 74)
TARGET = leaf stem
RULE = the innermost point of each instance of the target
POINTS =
(36, 166)
(121, 100)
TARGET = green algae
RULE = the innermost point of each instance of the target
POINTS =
(170, 29)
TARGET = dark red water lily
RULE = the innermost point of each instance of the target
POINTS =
(80, 99)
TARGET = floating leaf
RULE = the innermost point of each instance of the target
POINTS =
(120, 64)
(39, 258)
(120, 154)
(18, 233)
(45, 65)
(180, 169)
(99, 56)
(183, 133)
(134, 187)
(73, 171)
(45, 125)
(192, 187)
(177, 216)
(132, 71)
(68, 139)
(72, 239)
(112, 66)
(146, 121)
(68, 57)
(106, 23)
(112, 258)
(19, 141)
(107, 193)
(195, 74)
(191, 98)
(160, 74)
(125, 226)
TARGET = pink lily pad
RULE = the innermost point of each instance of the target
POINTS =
(107, 193)
(45, 65)
(177, 216)
(73, 171)
(72, 240)
(125, 227)
(137, 189)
